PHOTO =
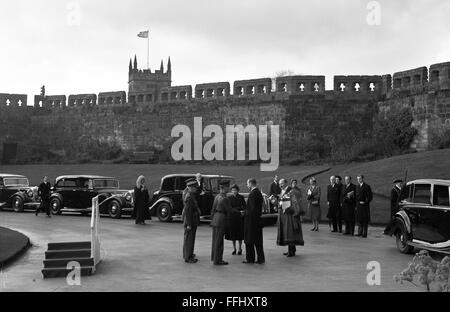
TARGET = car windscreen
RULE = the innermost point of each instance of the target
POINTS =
(16, 182)
(106, 183)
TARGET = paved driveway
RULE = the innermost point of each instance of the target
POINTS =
(148, 258)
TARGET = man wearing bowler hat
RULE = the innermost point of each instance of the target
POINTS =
(219, 214)
(191, 219)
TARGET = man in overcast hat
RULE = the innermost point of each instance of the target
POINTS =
(219, 214)
(191, 219)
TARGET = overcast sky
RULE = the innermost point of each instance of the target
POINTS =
(211, 40)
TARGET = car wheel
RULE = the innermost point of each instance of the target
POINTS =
(17, 204)
(55, 205)
(164, 212)
(115, 209)
(402, 241)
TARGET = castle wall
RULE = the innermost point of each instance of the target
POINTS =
(300, 105)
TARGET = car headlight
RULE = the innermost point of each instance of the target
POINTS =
(128, 197)
(30, 193)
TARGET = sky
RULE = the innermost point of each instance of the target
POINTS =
(84, 46)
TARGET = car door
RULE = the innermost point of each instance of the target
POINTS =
(2, 193)
(67, 188)
(439, 214)
(83, 193)
(420, 212)
(86, 193)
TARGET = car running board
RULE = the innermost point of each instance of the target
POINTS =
(438, 250)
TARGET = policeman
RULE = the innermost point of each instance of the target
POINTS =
(191, 219)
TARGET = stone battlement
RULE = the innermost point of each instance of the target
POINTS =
(405, 83)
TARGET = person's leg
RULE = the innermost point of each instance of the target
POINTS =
(220, 243)
(250, 253)
(234, 247)
(334, 221)
(291, 251)
(214, 245)
(260, 253)
(240, 248)
(365, 229)
(185, 245)
(192, 241)
(47, 207)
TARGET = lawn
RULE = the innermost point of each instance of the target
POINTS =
(127, 174)
(380, 174)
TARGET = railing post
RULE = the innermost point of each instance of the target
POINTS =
(95, 241)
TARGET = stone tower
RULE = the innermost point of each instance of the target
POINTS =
(144, 86)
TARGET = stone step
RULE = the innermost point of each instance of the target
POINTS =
(69, 246)
(64, 272)
(65, 254)
(62, 263)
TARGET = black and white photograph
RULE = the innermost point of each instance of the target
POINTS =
(224, 151)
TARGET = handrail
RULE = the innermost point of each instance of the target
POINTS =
(95, 240)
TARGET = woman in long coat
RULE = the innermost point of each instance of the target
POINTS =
(141, 202)
(235, 231)
(289, 222)
(313, 196)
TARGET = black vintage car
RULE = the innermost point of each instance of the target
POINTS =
(16, 193)
(74, 193)
(167, 202)
(423, 221)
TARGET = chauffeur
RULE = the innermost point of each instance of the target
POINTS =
(220, 211)
(191, 219)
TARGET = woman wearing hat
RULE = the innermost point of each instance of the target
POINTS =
(141, 201)
(313, 197)
(235, 230)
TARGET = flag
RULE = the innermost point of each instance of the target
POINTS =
(143, 34)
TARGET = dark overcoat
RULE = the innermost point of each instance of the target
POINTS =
(363, 198)
(334, 200)
(191, 211)
(395, 200)
(349, 202)
(289, 224)
(235, 229)
(253, 227)
(141, 204)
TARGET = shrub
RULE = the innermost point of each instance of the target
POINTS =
(424, 271)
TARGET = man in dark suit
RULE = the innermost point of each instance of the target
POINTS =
(334, 203)
(349, 205)
(275, 189)
(363, 198)
(191, 219)
(396, 193)
(339, 209)
(219, 213)
(44, 192)
(253, 228)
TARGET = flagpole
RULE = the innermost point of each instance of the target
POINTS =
(148, 49)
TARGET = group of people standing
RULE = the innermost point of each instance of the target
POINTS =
(348, 203)
(232, 219)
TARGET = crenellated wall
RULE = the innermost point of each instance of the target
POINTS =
(301, 105)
